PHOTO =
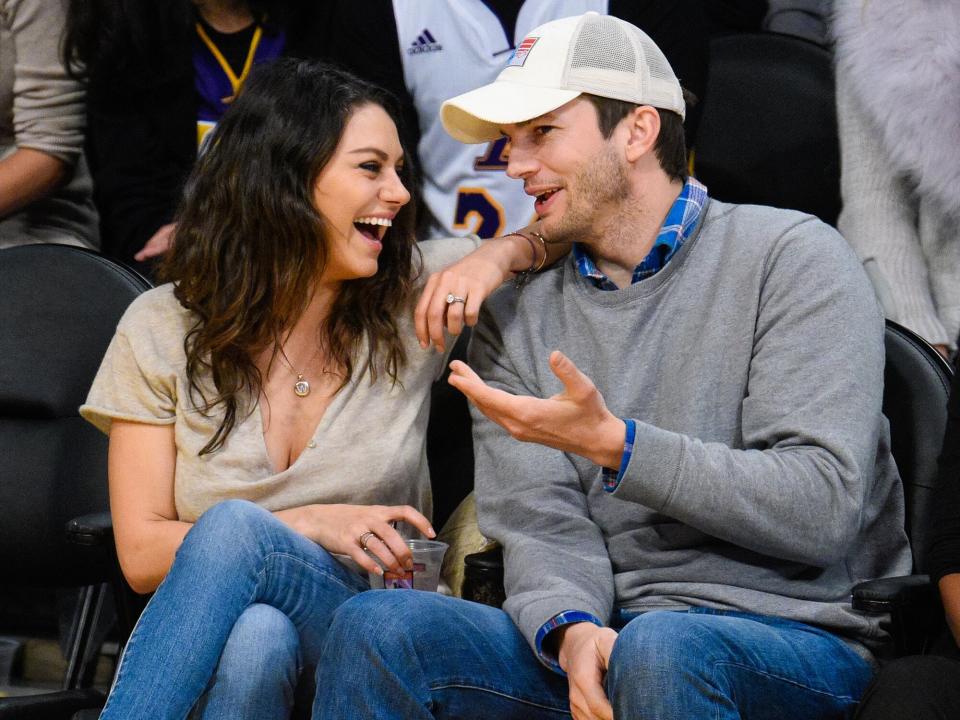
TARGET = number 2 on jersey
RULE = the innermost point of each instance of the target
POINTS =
(477, 212)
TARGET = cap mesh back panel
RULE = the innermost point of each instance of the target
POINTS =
(612, 58)
(606, 47)
(603, 61)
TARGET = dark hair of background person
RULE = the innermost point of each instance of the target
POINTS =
(138, 44)
(671, 146)
(250, 242)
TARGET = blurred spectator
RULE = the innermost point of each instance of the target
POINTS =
(731, 17)
(928, 687)
(898, 79)
(807, 19)
(427, 52)
(45, 189)
(160, 74)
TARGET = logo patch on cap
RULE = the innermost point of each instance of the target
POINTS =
(519, 56)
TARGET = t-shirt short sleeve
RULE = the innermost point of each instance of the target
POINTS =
(438, 254)
(137, 379)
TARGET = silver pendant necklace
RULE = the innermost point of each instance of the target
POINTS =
(301, 388)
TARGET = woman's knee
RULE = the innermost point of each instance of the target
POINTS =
(263, 645)
(228, 526)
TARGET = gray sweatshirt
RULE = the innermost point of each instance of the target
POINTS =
(761, 478)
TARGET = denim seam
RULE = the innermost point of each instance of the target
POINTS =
(785, 680)
(323, 571)
(470, 686)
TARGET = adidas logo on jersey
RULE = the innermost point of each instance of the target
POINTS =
(424, 43)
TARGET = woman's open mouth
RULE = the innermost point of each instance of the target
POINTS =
(373, 228)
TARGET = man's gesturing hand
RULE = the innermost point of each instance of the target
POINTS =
(577, 420)
(584, 655)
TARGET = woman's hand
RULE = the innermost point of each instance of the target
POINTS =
(346, 529)
(474, 278)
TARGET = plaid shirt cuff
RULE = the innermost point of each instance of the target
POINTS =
(567, 617)
(611, 479)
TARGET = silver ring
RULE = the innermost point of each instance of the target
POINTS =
(366, 536)
(451, 299)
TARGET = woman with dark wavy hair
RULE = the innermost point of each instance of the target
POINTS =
(267, 408)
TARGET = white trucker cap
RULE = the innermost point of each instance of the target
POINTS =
(556, 62)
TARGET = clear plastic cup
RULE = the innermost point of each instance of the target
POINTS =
(427, 559)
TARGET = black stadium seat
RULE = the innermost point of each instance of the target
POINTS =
(768, 134)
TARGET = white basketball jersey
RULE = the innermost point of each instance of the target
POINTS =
(449, 47)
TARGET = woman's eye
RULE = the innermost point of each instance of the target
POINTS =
(542, 130)
(373, 167)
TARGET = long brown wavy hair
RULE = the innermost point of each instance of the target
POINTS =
(249, 242)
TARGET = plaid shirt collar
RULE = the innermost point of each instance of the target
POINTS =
(677, 227)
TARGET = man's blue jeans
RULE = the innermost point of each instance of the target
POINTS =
(237, 561)
(413, 655)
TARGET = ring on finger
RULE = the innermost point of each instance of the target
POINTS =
(451, 299)
(366, 536)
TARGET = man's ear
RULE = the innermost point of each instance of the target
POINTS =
(643, 128)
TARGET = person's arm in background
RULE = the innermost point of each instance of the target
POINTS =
(48, 107)
(680, 30)
(943, 554)
(27, 175)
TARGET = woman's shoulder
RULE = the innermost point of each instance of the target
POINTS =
(441, 252)
(156, 317)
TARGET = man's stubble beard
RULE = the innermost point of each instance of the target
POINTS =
(599, 186)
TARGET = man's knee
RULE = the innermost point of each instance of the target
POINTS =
(660, 648)
(389, 622)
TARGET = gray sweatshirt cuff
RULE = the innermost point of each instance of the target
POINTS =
(654, 468)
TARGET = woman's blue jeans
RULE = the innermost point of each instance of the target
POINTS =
(235, 560)
(416, 655)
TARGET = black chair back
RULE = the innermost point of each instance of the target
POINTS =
(768, 134)
(449, 442)
(60, 307)
(916, 388)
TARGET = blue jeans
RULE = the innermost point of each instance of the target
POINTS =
(235, 557)
(420, 655)
(258, 672)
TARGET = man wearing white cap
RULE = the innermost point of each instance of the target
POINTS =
(704, 470)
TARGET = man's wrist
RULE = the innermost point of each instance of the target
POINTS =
(546, 638)
(569, 636)
(612, 435)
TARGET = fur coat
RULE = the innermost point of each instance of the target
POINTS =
(898, 101)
